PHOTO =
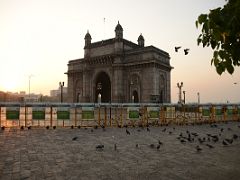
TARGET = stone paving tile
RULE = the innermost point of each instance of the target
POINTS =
(52, 154)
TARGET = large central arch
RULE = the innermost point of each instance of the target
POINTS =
(103, 87)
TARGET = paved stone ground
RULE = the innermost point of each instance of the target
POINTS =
(52, 154)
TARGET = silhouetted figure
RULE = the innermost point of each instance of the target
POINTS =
(158, 146)
(72, 126)
(115, 147)
(128, 133)
(22, 127)
(148, 129)
(137, 145)
(221, 129)
(177, 48)
(29, 127)
(95, 127)
(3, 128)
(79, 126)
(186, 51)
(54, 127)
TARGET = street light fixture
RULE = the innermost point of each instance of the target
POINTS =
(61, 84)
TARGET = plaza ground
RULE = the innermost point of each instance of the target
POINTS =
(39, 153)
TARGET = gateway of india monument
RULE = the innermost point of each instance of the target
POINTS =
(117, 70)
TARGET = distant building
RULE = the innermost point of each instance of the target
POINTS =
(57, 92)
(118, 70)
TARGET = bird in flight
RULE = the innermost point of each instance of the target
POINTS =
(186, 51)
(177, 48)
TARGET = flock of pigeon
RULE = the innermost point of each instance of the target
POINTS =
(186, 51)
(220, 136)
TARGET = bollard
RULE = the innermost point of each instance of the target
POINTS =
(105, 116)
(99, 117)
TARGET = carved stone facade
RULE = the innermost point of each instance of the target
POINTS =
(119, 71)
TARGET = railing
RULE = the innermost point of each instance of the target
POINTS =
(114, 114)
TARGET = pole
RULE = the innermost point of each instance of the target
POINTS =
(184, 100)
(29, 85)
(61, 84)
(180, 92)
(198, 94)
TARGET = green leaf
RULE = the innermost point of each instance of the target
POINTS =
(219, 69)
(202, 18)
(229, 67)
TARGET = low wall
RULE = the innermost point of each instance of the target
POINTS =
(113, 115)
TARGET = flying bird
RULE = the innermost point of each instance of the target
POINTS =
(177, 48)
(186, 51)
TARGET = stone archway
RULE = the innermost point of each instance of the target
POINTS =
(135, 97)
(103, 87)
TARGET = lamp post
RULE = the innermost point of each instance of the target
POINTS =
(29, 85)
(61, 84)
(180, 85)
(198, 94)
(184, 100)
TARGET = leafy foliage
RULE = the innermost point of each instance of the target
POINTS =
(221, 31)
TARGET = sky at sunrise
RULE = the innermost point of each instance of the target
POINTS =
(39, 37)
